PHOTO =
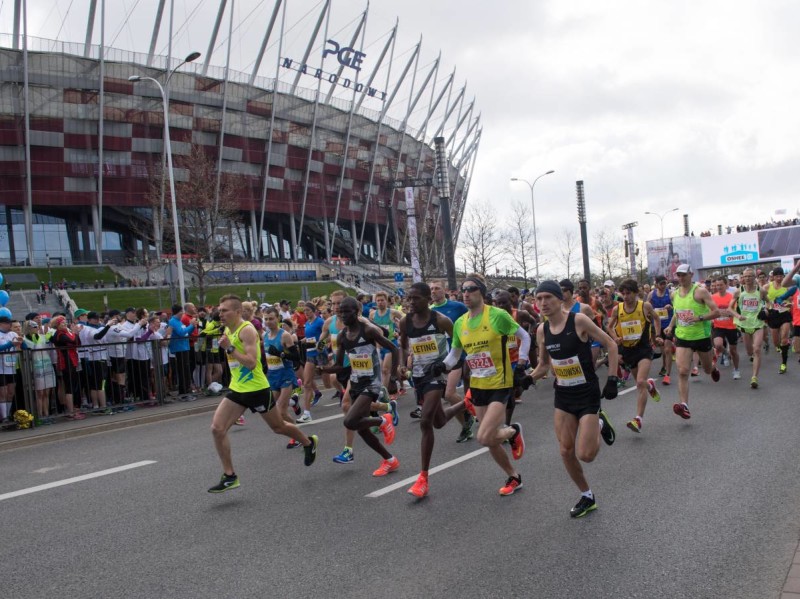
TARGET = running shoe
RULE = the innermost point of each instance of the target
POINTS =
(517, 442)
(736, 374)
(583, 507)
(782, 369)
(294, 403)
(240, 421)
(715, 375)
(607, 432)
(466, 432)
(695, 371)
(777, 349)
(387, 428)
(417, 413)
(662, 372)
(303, 418)
(384, 395)
(393, 411)
(635, 425)
(512, 484)
(317, 397)
(386, 467)
(468, 406)
(293, 443)
(651, 389)
(682, 410)
(226, 483)
(346, 457)
(754, 382)
(666, 380)
(419, 488)
(337, 396)
(311, 450)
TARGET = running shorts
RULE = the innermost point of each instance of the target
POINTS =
(260, 401)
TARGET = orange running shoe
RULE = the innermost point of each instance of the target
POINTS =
(468, 403)
(665, 380)
(420, 488)
(387, 428)
(512, 484)
(517, 442)
(386, 467)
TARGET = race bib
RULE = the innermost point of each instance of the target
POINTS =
(750, 304)
(481, 365)
(684, 316)
(311, 340)
(274, 362)
(361, 365)
(215, 343)
(425, 347)
(10, 359)
(631, 330)
(569, 372)
(662, 313)
(233, 364)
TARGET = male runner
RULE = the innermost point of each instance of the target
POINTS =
(482, 333)
(691, 321)
(749, 303)
(502, 300)
(358, 341)
(425, 333)
(779, 318)
(661, 300)
(248, 389)
(723, 329)
(564, 344)
(387, 319)
(634, 326)
(281, 353)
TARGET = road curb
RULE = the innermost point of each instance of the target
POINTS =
(102, 427)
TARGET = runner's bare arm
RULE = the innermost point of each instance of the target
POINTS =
(587, 328)
(543, 365)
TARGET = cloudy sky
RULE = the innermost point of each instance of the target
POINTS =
(655, 105)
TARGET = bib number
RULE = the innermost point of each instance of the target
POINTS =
(10, 359)
(750, 304)
(361, 365)
(684, 316)
(481, 365)
(569, 372)
(662, 313)
(631, 330)
(425, 347)
(274, 363)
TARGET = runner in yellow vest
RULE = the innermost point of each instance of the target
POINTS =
(482, 334)
(694, 309)
(779, 317)
(248, 389)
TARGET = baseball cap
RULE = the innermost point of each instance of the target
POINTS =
(92, 315)
(112, 313)
(131, 309)
(683, 269)
(80, 312)
(608, 283)
(31, 315)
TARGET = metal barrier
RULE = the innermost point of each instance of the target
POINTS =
(67, 383)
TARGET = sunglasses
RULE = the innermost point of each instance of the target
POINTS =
(470, 289)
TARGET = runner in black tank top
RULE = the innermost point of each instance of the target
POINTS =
(565, 346)
(423, 336)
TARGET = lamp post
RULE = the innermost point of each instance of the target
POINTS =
(661, 218)
(168, 150)
(533, 214)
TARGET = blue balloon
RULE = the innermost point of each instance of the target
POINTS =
(3, 297)
(1, 279)
(5, 312)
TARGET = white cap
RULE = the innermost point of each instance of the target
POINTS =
(608, 283)
(683, 269)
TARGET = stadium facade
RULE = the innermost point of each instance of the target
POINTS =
(316, 143)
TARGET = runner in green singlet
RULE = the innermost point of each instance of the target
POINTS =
(749, 301)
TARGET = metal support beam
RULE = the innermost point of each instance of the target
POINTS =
(101, 130)
(87, 46)
(353, 41)
(214, 34)
(156, 29)
(311, 41)
(378, 64)
(28, 185)
(15, 42)
(222, 121)
(264, 43)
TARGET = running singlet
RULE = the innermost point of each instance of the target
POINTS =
(686, 307)
(275, 363)
(725, 322)
(633, 328)
(453, 310)
(660, 303)
(484, 339)
(750, 303)
(571, 359)
(9, 356)
(334, 333)
(796, 308)
(513, 343)
(363, 356)
(313, 331)
(385, 322)
(773, 293)
(428, 345)
(244, 380)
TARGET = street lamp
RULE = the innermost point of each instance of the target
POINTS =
(533, 213)
(661, 218)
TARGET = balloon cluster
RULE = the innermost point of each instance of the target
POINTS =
(4, 297)
(23, 419)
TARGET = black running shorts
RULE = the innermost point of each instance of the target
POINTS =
(483, 397)
(698, 345)
(260, 401)
(730, 335)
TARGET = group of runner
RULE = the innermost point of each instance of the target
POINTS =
(485, 346)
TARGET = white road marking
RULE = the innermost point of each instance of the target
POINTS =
(318, 420)
(434, 470)
(75, 479)
(336, 403)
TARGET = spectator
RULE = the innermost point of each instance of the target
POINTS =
(44, 377)
(66, 341)
(179, 347)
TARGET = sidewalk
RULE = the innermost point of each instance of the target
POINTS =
(68, 429)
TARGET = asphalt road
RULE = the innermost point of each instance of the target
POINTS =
(701, 508)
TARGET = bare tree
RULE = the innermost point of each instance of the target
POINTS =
(519, 237)
(608, 251)
(205, 223)
(481, 239)
(567, 251)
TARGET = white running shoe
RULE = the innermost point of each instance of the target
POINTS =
(736, 375)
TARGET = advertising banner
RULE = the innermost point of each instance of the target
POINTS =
(665, 255)
(730, 250)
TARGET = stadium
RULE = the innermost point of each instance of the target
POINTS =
(327, 121)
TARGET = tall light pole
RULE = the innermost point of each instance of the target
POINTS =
(533, 214)
(661, 218)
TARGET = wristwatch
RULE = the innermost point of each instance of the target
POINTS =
(230, 349)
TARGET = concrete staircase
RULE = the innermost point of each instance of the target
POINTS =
(23, 302)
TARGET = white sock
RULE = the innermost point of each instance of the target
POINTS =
(306, 413)
(600, 420)
(588, 494)
(392, 459)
